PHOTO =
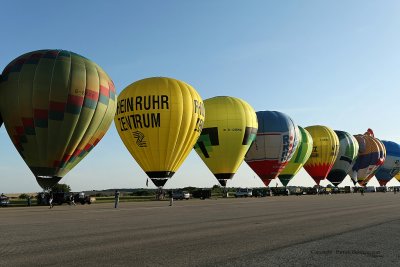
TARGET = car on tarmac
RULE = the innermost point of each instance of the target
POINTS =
(4, 200)
(261, 192)
(202, 193)
(180, 195)
(244, 192)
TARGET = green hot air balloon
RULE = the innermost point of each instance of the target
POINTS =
(299, 158)
(56, 106)
(348, 151)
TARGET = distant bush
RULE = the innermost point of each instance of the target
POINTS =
(23, 196)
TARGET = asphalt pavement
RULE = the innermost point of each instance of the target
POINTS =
(331, 230)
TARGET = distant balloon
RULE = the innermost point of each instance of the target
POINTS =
(159, 120)
(298, 159)
(229, 130)
(348, 151)
(56, 106)
(275, 144)
(371, 156)
(325, 151)
(391, 166)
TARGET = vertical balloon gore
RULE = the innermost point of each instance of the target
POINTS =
(56, 106)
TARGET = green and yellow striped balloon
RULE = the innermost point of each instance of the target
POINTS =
(56, 106)
(299, 158)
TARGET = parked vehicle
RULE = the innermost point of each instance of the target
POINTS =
(4, 200)
(261, 192)
(279, 191)
(381, 189)
(296, 190)
(244, 192)
(60, 198)
(202, 193)
(180, 195)
(370, 189)
(311, 191)
(347, 189)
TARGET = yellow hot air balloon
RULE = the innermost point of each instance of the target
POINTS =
(324, 153)
(159, 120)
(397, 176)
(229, 130)
(302, 154)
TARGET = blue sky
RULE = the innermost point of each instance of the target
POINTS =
(334, 63)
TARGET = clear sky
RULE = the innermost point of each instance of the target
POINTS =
(335, 63)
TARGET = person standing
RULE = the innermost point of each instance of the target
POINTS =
(29, 198)
(171, 198)
(51, 201)
(72, 199)
(116, 199)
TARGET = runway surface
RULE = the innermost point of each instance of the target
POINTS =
(331, 230)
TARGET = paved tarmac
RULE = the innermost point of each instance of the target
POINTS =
(330, 230)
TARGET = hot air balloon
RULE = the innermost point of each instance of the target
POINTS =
(348, 151)
(275, 144)
(397, 176)
(298, 159)
(159, 120)
(371, 155)
(324, 153)
(229, 130)
(56, 106)
(391, 166)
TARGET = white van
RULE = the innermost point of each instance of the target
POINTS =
(244, 192)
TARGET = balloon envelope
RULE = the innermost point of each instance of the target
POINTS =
(275, 144)
(56, 106)
(325, 150)
(348, 151)
(229, 130)
(159, 120)
(298, 159)
(371, 155)
(391, 166)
